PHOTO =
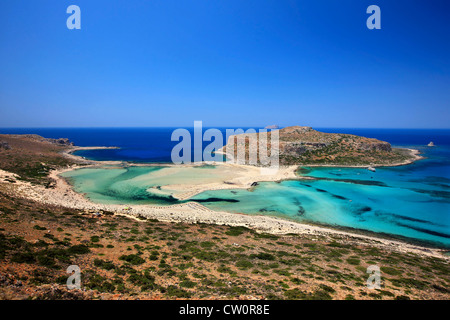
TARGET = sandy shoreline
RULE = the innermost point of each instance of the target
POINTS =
(246, 177)
(192, 212)
(68, 153)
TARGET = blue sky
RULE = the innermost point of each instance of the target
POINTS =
(225, 62)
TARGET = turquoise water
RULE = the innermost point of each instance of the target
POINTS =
(117, 185)
(141, 184)
(411, 201)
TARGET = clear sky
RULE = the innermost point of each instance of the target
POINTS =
(225, 62)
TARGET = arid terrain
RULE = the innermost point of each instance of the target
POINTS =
(122, 257)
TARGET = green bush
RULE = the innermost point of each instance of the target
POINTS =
(23, 257)
(78, 249)
(244, 264)
(285, 273)
(187, 284)
(145, 281)
(107, 265)
(236, 231)
(326, 288)
(263, 256)
(133, 259)
(391, 271)
(320, 295)
(174, 291)
(294, 294)
(207, 244)
(46, 261)
(353, 261)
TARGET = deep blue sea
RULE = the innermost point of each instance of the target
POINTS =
(155, 145)
(136, 144)
(411, 201)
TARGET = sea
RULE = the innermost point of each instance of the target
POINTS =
(410, 202)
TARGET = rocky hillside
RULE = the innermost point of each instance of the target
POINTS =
(126, 259)
(306, 146)
(32, 156)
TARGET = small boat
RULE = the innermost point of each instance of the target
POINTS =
(431, 144)
(370, 168)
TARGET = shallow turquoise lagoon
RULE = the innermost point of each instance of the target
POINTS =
(117, 185)
(380, 209)
(410, 201)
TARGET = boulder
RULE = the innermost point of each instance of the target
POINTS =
(375, 146)
(4, 145)
(61, 142)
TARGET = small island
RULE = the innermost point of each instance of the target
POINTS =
(300, 145)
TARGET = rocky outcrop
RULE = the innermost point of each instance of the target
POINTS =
(304, 145)
(4, 145)
(61, 142)
(298, 148)
(375, 146)
(296, 130)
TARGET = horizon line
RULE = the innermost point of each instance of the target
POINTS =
(280, 127)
